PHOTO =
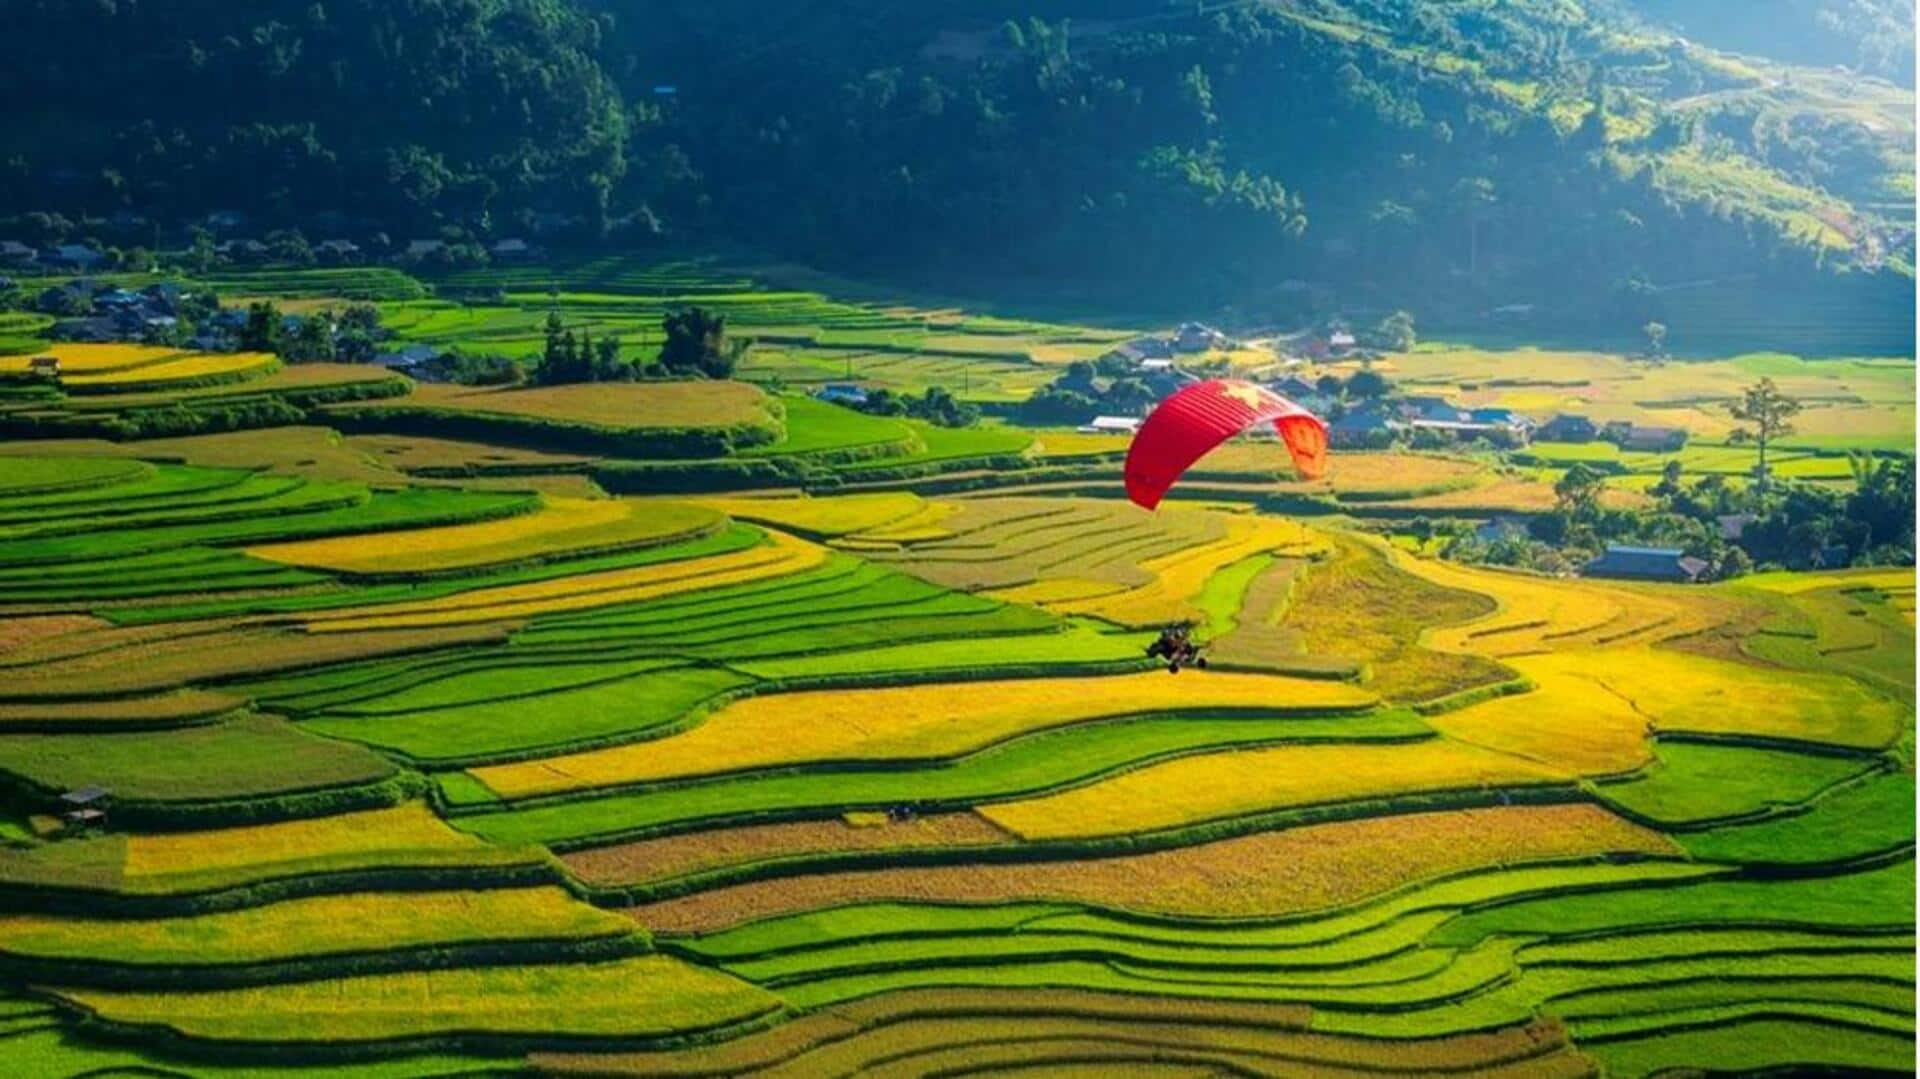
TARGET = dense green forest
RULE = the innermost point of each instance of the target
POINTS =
(400, 111)
(1445, 155)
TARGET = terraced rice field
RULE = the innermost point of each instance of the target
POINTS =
(560, 528)
(410, 768)
(180, 370)
(630, 404)
(1851, 403)
(802, 337)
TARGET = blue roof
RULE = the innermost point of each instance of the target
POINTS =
(1653, 563)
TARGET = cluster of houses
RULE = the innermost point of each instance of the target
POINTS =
(1334, 344)
(85, 258)
(98, 312)
(160, 309)
(1373, 422)
(78, 258)
(1376, 421)
(1628, 436)
(1158, 352)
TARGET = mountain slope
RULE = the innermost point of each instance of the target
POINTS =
(1286, 157)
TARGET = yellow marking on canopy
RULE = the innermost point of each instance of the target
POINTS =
(1251, 396)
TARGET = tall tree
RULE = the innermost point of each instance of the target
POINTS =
(262, 330)
(696, 343)
(1767, 414)
(1578, 490)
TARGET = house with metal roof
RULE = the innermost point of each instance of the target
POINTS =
(1646, 564)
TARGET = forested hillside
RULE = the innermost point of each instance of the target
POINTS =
(1447, 156)
(401, 111)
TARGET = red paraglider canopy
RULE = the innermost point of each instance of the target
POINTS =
(1201, 416)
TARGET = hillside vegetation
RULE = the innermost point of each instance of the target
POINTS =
(1584, 160)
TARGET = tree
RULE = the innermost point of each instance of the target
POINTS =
(1656, 338)
(310, 342)
(1050, 404)
(1577, 491)
(884, 402)
(200, 254)
(1883, 500)
(607, 366)
(696, 343)
(289, 246)
(1669, 485)
(1768, 414)
(1472, 197)
(262, 330)
(1127, 395)
(1395, 332)
(560, 360)
(940, 407)
(1368, 385)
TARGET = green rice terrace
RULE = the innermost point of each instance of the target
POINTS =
(353, 725)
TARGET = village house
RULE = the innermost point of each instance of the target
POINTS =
(414, 361)
(75, 295)
(1303, 393)
(1111, 425)
(1198, 337)
(1734, 525)
(44, 366)
(1646, 564)
(92, 330)
(1647, 439)
(408, 356)
(1293, 387)
(79, 257)
(1362, 428)
(514, 249)
(15, 253)
(247, 250)
(164, 294)
(1141, 349)
(1165, 383)
(1431, 409)
(116, 298)
(842, 393)
(1341, 343)
(1503, 528)
(1504, 416)
(337, 250)
(1567, 428)
(420, 249)
(1500, 434)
